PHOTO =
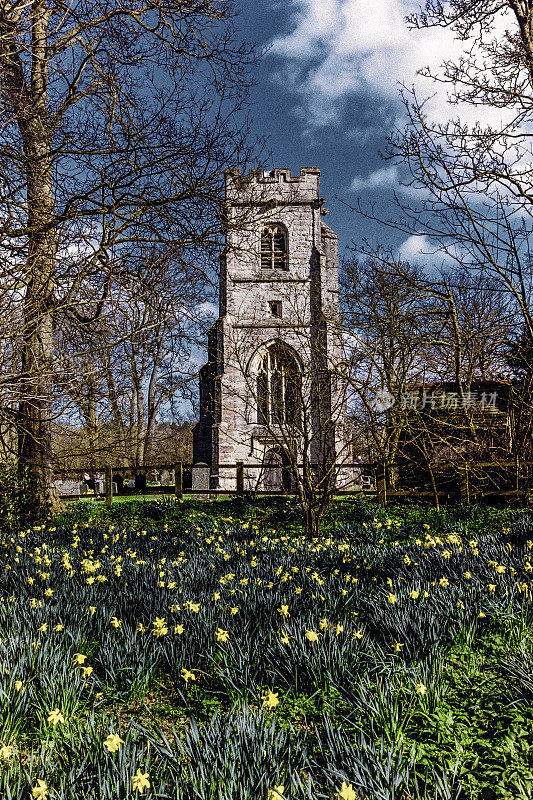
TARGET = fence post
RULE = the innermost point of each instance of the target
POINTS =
(108, 485)
(178, 480)
(382, 483)
(465, 486)
(240, 479)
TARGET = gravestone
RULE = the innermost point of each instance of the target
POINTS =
(166, 478)
(200, 480)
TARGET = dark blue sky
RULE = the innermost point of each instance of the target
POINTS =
(322, 99)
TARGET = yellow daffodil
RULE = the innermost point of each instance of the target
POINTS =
(339, 628)
(284, 611)
(444, 582)
(358, 634)
(86, 671)
(179, 629)
(40, 792)
(140, 781)
(116, 623)
(222, 635)
(392, 599)
(346, 792)
(323, 624)
(270, 700)
(113, 742)
(276, 793)
(159, 627)
(91, 610)
(420, 688)
(397, 646)
(284, 638)
(79, 658)
(18, 685)
(311, 636)
(6, 751)
(187, 675)
(55, 716)
(141, 628)
(467, 575)
(491, 587)
(233, 610)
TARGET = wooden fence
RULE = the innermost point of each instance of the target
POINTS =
(377, 483)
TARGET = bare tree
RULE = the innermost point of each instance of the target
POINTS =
(470, 183)
(116, 123)
(421, 348)
(384, 320)
(137, 361)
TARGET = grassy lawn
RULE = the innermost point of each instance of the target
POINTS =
(207, 650)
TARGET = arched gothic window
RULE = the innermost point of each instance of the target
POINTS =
(278, 387)
(274, 253)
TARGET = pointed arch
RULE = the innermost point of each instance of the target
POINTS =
(278, 385)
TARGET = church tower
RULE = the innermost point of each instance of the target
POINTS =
(269, 379)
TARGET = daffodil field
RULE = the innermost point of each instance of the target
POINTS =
(202, 655)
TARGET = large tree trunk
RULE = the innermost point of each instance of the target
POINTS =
(35, 427)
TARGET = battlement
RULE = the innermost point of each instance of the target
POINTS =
(263, 185)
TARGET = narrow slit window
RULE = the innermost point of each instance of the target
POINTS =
(275, 307)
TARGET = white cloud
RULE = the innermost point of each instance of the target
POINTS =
(418, 249)
(338, 48)
(384, 177)
(208, 309)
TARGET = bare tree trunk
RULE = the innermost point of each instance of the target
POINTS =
(90, 420)
(35, 430)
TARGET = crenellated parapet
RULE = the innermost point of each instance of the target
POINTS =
(261, 186)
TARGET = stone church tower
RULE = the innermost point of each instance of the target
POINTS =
(268, 381)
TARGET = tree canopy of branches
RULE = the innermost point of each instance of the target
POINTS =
(409, 334)
(470, 177)
(468, 180)
(116, 121)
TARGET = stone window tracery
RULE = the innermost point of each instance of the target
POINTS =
(274, 252)
(278, 387)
